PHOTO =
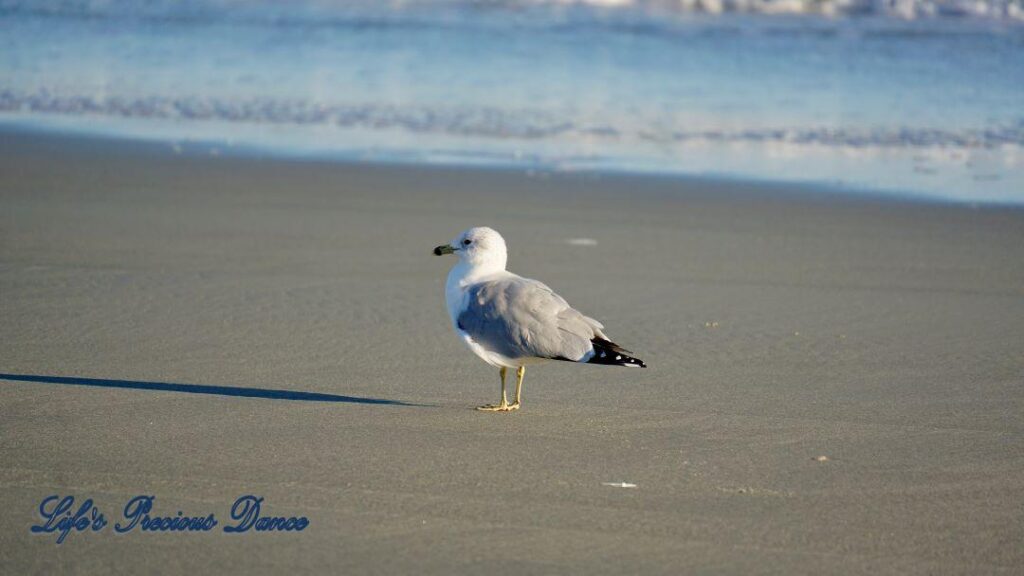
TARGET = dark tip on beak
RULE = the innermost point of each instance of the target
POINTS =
(443, 249)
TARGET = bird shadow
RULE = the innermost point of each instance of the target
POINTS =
(268, 393)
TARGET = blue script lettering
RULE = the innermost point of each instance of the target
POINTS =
(246, 511)
(136, 513)
(60, 519)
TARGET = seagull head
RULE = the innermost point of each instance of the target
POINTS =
(480, 246)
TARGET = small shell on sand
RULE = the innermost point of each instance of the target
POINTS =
(581, 242)
(619, 484)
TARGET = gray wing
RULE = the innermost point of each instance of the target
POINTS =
(519, 318)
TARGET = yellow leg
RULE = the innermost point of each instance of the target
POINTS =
(504, 406)
(520, 372)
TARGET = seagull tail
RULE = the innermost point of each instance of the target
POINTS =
(610, 353)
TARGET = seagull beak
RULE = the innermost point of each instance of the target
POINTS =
(443, 249)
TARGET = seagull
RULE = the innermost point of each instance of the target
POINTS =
(510, 321)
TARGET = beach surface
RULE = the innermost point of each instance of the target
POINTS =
(835, 382)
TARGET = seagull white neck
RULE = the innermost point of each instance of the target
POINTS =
(470, 272)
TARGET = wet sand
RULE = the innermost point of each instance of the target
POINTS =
(201, 328)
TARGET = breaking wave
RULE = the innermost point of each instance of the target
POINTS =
(386, 14)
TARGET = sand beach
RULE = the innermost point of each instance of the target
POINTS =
(835, 381)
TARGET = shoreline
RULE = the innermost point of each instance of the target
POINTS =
(28, 130)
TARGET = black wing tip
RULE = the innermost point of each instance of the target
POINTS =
(611, 354)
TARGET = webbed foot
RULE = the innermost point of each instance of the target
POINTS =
(503, 407)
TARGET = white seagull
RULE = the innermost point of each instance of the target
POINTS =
(510, 321)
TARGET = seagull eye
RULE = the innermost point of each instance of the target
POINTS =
(467, 242)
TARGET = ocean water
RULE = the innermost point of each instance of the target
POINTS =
(918, 97)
